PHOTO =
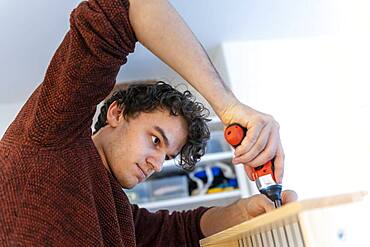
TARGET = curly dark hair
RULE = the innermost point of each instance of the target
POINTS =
(146, 97)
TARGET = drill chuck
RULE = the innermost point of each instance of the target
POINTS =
(273, 192)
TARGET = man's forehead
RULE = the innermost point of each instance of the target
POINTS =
(174, 139)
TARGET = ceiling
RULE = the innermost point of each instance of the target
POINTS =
(32, 30)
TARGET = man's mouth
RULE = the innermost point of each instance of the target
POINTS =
(143, 175)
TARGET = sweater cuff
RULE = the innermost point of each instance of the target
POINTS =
(197, 220)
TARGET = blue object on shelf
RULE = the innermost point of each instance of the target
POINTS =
(233, 182)
(216, 171)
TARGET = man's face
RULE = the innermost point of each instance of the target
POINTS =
(137, 147)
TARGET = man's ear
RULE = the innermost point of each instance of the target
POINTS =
(114, 114)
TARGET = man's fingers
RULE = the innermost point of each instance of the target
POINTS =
(244, 154)
(279, 164)
(264, 204)
(267, 147)
(259, 204)
(288, 196)
(250, 172)
(250, 139)
(266, 155)
(263, 151)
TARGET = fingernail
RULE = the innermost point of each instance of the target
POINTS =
(254, 175)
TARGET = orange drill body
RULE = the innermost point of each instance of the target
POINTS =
(264, 174)
(234, 135)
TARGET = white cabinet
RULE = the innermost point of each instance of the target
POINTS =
(221, 152)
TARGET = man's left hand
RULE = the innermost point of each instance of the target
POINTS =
(259, 204)
(220, 218)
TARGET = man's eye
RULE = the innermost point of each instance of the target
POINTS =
(155, 140)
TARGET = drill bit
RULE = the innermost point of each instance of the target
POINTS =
(277, 203)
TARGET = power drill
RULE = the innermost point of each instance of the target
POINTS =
(264, 174)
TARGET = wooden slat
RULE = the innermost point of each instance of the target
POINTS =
(241, 243)
(249, 241)
(278, 239)
(270, 240)
(283, 235)
(231, 243)
(298, 234)
(264, 239)
(254, 241)
(290, 235)
(259, 239)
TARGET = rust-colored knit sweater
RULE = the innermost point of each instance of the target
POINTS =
(54, 189)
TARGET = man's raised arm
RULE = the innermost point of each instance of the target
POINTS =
(81, 73)
(158, 27)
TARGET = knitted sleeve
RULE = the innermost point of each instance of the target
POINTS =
(167, 229)
(81, 73)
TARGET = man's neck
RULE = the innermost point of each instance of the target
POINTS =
(98, 142)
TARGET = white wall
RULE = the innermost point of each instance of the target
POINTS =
(32, 30)
(8, 113)
(317, 88)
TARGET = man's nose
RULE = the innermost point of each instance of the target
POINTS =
(157, 161)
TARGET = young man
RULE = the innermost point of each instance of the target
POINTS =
(60, 186)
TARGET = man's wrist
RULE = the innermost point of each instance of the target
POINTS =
(221, 100)
(225, 106)
(218, 219)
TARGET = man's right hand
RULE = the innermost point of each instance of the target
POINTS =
(262, 142)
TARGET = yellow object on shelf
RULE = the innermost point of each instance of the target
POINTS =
(218, 190)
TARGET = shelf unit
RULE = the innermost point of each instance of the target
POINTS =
(227, 155)
(216, 199)
(193, 201)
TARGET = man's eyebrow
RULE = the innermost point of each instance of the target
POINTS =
(160, 130)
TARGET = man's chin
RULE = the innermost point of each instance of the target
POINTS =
(128, 185)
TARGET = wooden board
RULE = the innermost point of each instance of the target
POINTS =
(273, 220)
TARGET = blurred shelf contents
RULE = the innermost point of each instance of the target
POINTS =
(159, 189)
(211, 178)
(195, 201)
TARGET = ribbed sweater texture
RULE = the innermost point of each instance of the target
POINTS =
(54, 189)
